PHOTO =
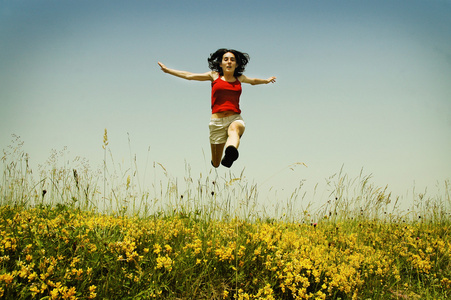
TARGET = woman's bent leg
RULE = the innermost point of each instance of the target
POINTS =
(235, 131)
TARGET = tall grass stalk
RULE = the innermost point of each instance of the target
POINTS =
(104, 146)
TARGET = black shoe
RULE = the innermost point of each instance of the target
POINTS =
(231, 154)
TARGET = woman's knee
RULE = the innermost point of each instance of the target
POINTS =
(236, 127)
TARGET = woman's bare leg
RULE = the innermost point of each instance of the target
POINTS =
(216, 154)
(235, 131)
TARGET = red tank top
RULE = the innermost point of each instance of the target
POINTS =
(225, 96)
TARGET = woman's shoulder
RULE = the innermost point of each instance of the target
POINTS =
(242, 78)
(215, 75)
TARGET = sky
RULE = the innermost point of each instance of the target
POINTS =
(362, 86)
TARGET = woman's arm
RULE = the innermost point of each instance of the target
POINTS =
(255, 81)
(187, 75)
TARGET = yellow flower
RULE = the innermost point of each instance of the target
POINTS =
(34, 290)
(74, 261)
(32, 276)
(54, 293)
(164, 262)
(7, 278)
(92, 248)
(156, 248)
(267, 290)
(92, 292)
(242, 296)
(446, 283)
(68, 293)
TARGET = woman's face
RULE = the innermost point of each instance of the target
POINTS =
(228, 63)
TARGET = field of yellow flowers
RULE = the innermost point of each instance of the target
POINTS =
(57, 252)
(74, 233)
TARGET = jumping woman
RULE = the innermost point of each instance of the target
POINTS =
(226, 124)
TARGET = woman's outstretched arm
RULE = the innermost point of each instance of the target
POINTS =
(255, 81)
(187, 75)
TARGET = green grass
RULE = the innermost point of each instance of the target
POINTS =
(77, 233)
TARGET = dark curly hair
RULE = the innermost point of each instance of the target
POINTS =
(215, 60)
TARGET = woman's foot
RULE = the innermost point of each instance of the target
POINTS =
(231, 154)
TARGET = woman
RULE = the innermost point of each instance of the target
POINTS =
(226, 125)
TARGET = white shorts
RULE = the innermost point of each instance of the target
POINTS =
(219, 127)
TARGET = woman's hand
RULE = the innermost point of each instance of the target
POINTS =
(163, 67)
(271, 80)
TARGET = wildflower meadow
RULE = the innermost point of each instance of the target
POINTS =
(71, 232)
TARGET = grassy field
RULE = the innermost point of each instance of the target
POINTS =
(74, 233)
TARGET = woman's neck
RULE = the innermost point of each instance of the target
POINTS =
(228, 77)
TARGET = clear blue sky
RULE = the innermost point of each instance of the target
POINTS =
(361, 84)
